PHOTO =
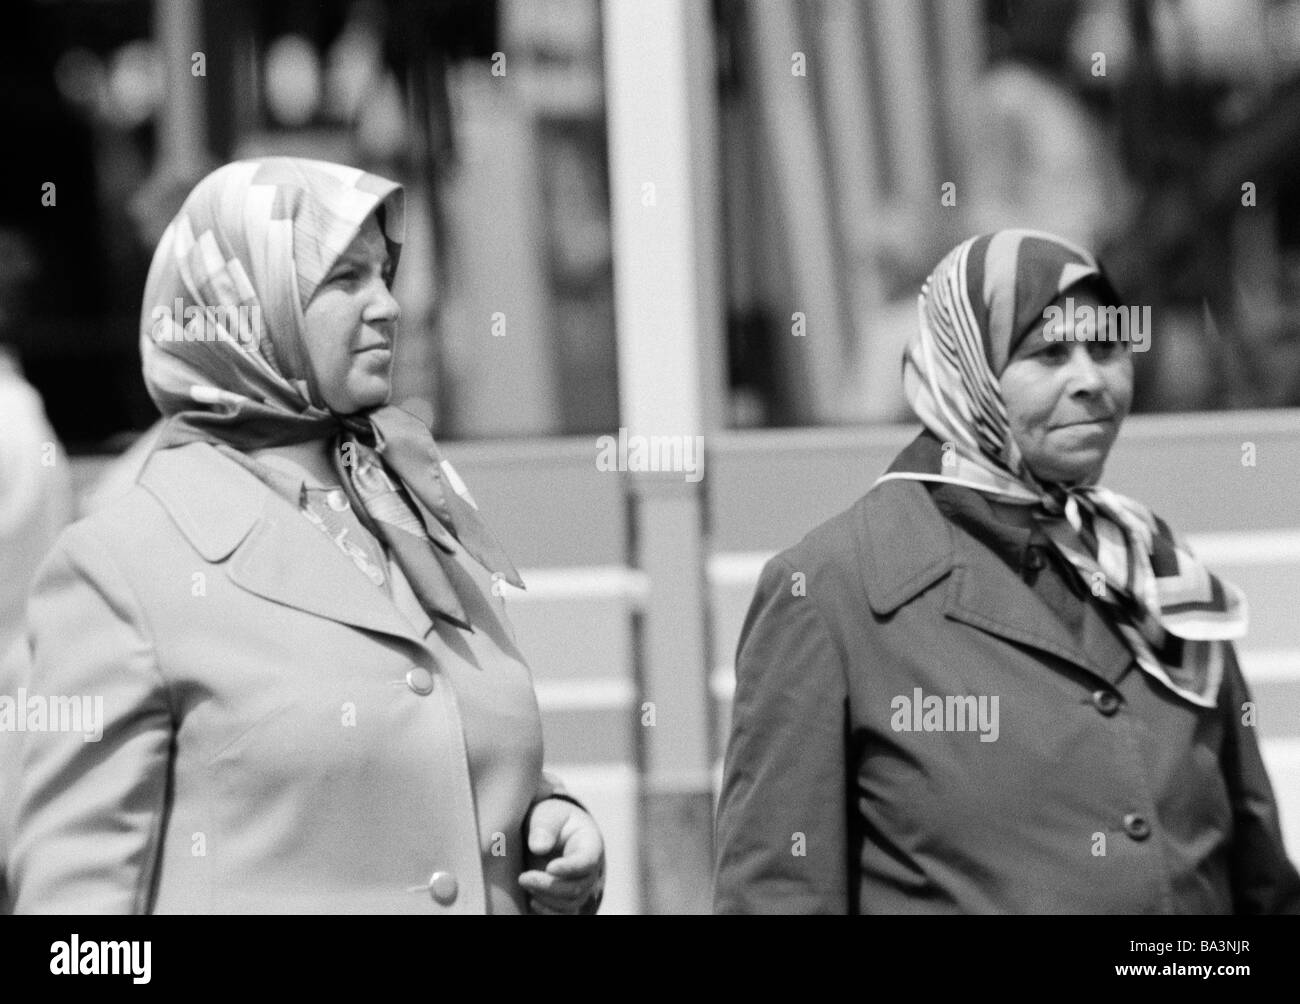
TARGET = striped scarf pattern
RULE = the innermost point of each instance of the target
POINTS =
(1176, 617)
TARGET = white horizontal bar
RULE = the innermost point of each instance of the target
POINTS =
(602, 777)
(581, 582)
(1270, 665)
(1247, 547)
(722, 682)
(585, 695)
(736, 568)
(1281, 754)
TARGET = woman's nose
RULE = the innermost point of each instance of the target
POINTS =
(383, 306)
(1084, 374)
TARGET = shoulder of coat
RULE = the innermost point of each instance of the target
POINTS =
(126, 524)
(211, 499)
(902, 543)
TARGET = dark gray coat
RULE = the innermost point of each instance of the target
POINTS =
(1102, 792)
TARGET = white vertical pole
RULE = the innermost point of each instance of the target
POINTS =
(661, 110)
(665, 202)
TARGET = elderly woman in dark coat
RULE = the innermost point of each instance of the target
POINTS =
(993, 685)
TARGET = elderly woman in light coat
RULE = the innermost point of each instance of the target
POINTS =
(311, 697)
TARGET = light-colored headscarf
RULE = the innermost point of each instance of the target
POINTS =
(221, 338)
(980, 301)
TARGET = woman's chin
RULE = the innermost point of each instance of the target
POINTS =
(1074, 455)
(366, 395)
(1083, 468)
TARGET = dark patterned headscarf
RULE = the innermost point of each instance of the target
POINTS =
(984, 297)
(225, 359)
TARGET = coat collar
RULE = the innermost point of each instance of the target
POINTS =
(227, 513)
(213, 500)
(908, 546)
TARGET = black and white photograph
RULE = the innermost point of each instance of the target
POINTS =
(651, 458)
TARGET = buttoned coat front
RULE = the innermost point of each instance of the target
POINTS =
(1101, 793)
(277, 736)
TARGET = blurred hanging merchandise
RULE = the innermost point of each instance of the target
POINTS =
(529, 308)
(836, 142)
(863, 138)
(491, 113)
(1209, 120)
(293, 80)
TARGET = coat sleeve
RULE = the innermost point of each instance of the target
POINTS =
(90, 807)
(781, 837)
(1263, 878)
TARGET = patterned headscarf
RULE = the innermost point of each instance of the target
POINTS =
(221, 338)
(985, 296)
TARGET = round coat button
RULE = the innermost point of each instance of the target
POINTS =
(336, 500)
(443, 887)
(1136, 826)
(420, 680)
(1105, 701)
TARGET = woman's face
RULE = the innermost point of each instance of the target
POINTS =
(1066, 399)
(352, 326)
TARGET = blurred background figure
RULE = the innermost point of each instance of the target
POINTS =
(698, 218)
(35, 504)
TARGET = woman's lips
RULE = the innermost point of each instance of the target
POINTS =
(375, 359)
(1089, 429)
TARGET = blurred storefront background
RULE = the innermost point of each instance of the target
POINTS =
(126, 103)
(895, 128)
(695, 218)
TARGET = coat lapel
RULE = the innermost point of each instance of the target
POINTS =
(287, 560)
(273, 551)
(909, 546)
(986, 594)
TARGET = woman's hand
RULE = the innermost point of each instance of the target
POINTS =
(566, 856)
